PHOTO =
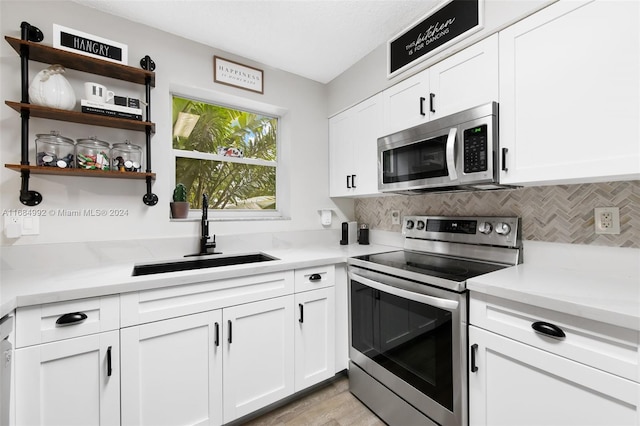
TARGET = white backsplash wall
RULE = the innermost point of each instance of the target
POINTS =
(560, 214)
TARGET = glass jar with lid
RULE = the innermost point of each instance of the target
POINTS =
(126, 157)
(92, 154)
(53, 150)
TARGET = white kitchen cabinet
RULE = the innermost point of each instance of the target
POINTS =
(172, 371)
(569, 103)
(353, 145)
(465, 80)
(406, 104)
(258, 342)
(69, 382)
(314, 337)
(517, 384)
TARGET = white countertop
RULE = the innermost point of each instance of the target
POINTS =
(22, 287)
(581, 286)
(600, 283)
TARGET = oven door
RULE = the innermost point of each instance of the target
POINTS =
(411, 338)
(407, 161)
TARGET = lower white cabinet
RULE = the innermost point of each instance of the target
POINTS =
(258, 355)
(314, 337)
(172, 371)
(69, 382)
(517, 384)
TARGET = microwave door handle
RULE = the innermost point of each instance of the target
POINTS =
(449, 305)
(451, 160)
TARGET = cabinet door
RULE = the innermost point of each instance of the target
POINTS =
(69, 382)
(368, 122)
(465, 80)
(258, 355)
(341, 153)
(569, 101)
(314, 337)
(172, 371)
(353, 146)
(406, 104)
(516, 384)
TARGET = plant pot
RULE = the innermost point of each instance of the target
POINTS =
(179, 209)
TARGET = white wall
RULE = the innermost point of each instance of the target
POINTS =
(179, 62)
(369, 75)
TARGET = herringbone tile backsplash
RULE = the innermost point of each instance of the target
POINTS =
(562, 214)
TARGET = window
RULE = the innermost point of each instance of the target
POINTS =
(227, 153)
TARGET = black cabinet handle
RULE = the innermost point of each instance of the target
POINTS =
(109, 362)
(71, 319)
(353, 181)
(217, 338)
(348, 183)
(301, 306)
(229, 339)
(548, 329)
(315, 277)
(431, 96)
(504, 159)
(474, 350)
(422, 105)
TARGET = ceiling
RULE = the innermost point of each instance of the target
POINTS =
(316, 39)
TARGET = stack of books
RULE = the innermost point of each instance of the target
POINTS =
(111, 110)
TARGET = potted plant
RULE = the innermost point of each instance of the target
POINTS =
(179, 205)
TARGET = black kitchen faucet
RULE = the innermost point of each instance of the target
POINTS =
(205, 245)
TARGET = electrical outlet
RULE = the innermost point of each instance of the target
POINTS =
(395, 217)
(607, 220)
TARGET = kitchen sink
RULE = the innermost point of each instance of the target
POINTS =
(200, 263)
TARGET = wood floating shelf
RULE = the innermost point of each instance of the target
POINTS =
(50, 55)
(111, 174)
(82, 117)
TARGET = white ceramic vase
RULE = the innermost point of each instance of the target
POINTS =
(49, 88)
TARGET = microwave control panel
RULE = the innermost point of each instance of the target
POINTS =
(475, 149)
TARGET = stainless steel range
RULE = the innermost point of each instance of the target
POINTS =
(408, 316)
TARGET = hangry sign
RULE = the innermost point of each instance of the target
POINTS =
(90, 45)
(451, 22)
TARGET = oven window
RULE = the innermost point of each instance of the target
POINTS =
(421, 160)
(410, 339)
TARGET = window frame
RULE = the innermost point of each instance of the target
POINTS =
(281, 212)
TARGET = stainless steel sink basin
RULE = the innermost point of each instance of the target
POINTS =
(200, 263)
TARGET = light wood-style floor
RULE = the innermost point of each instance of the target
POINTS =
(332, 405)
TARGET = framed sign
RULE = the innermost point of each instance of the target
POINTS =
(90, 45)
(237, 75)
(442, 27)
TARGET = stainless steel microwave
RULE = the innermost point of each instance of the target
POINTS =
(454, 153)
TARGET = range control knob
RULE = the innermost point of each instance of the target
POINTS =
(420, 225)
(409, 224)
(503, 228)
(485, 228)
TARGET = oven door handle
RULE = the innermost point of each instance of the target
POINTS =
(449, 305)
(451, 159)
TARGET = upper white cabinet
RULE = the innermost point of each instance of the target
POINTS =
(353, 144)
(569, 103)
(406, 104)
(464, 80)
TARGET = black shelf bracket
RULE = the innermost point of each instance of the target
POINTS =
(29, 33)
(150, 199)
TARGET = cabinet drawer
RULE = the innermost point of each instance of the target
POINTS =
(607, 347)
(315, 277)
(38, 324)
(170, 302)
